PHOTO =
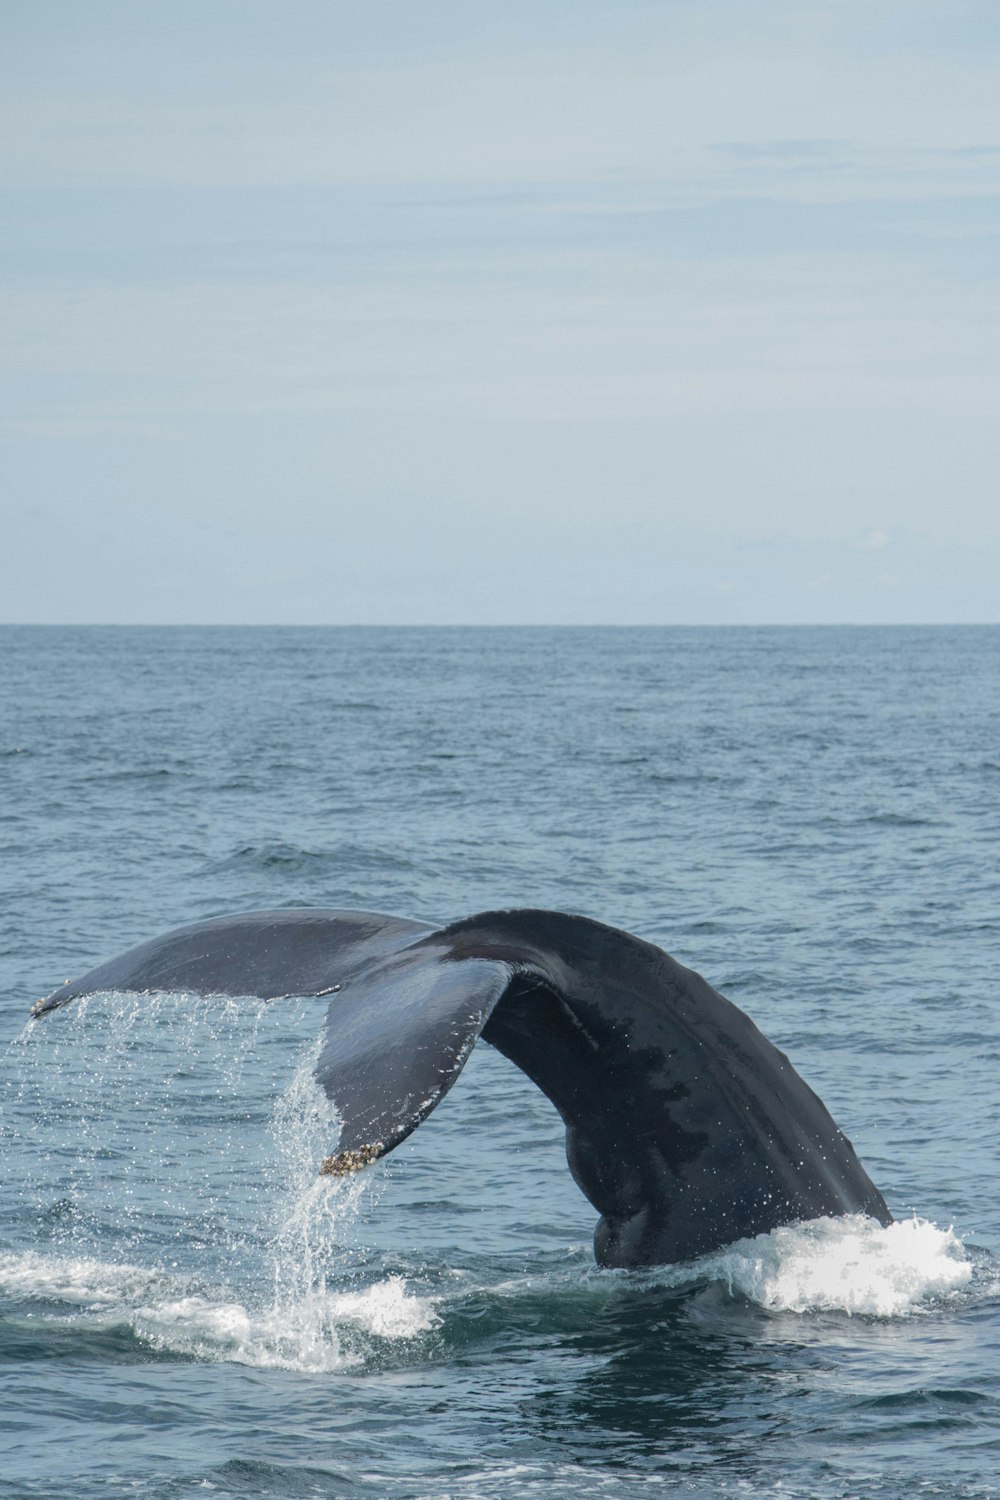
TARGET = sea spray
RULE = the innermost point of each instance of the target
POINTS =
(120, 1101)
(317, 1218)
(310, 1214)
(166, 1199)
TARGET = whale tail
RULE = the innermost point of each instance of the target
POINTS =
(685, 1127)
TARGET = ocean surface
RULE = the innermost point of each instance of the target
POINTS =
(810, 817)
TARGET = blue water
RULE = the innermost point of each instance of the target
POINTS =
(810, 817)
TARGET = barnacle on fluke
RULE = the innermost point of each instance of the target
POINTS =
(685, 1127)
(343, 1163)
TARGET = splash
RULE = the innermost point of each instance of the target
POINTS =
(153, 1134)
(311, 1249)
(387, 1310)
(115, 1103)
(177, 1315)
(175, 1187)
(304, 1336)
(851, 1264)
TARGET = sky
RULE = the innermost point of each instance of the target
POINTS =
(527, 312)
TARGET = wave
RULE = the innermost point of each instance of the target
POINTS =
(293, 859)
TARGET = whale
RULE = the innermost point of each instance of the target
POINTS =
(686, 1129)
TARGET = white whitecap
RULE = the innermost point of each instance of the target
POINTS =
(386, 1309)
(80, 1281)
(303, 1336)
(851, 1264)
(170, 1312)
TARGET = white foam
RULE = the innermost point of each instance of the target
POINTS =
(386, 1309)
(304, 1337)
(80, 1281)
(222, 1330)
(170, 1312)
(194, 1322)
(851, 1264)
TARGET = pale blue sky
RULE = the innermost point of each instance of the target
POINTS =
(520, 312)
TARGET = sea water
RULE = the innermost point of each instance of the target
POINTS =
(808, 817)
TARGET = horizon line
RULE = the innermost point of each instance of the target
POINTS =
(498, 625)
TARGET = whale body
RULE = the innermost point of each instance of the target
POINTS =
(685, 1127)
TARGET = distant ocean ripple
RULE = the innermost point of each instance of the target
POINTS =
(809, 817)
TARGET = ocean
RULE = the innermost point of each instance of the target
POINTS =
(809, 817)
